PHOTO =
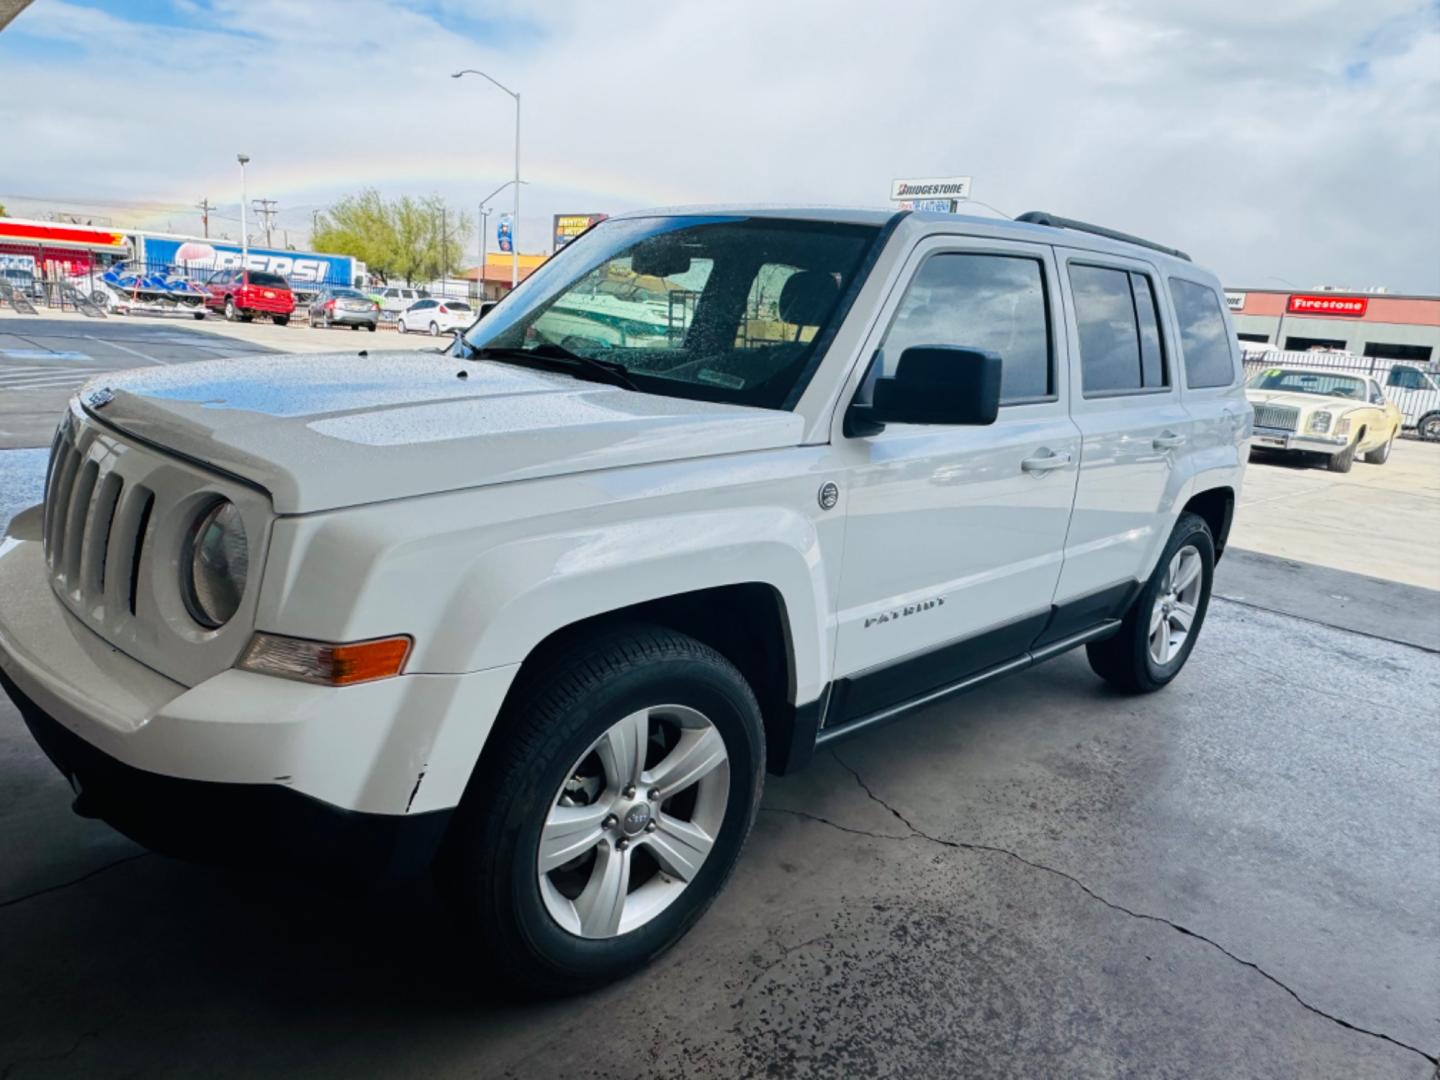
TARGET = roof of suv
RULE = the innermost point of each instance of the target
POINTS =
(1053, 230)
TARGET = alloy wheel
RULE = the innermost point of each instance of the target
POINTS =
(633, 822)
(1174, 612)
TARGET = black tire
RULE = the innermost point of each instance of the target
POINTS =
(371, 327)
(560, 707)
(1381, 454)
(1428, 427)
(1342, 461)
(1124, 660)
(198, 314)
(280, 320)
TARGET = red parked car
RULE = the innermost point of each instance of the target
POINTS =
(243, 294)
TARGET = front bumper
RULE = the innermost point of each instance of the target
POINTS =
(1276, 439)
(234, 824)
(241, 765)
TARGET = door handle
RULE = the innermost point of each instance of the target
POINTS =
(1043, 463)
(1168, 441)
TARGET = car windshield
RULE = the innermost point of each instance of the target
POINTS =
(719, 308)
(457, 305)
(1323, 383)
(347, 293)
(268, 281)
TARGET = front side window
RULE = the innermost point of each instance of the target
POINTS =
(1408, 378)
(676, 304)
(1204, 345)
(994, 303)
(1119, 328)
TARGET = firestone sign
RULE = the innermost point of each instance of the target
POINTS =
(1349, 307)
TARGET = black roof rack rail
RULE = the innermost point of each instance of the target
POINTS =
(1055, 221)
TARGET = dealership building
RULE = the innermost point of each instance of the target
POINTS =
(1382, 326)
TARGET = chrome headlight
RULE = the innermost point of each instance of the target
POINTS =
(1319, 423)
(216, 566)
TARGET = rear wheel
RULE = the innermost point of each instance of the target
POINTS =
(1381, 454)
(281, 320)
(1429, 427)
(1160, 629)
(371, 327)
(400, 326)
(610, 810)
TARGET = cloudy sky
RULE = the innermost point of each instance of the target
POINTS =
(1293, 141)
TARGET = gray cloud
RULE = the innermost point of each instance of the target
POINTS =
(1296, 138)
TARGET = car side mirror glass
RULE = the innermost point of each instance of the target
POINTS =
(932, 384)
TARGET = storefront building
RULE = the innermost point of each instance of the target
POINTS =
(1381, 326)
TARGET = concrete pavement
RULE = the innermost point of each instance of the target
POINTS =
(1233, 878)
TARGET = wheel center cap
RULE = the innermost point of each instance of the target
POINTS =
(635, 819)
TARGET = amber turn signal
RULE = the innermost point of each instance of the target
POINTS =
(327, 663)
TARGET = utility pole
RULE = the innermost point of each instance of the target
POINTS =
(314, 226)
(266, 209)
(444, 247)
(205, 209)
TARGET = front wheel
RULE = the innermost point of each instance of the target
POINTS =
(1159, 631)
(1381, 454)
(1429, 427)
(434, 329)
(1342, 461)
(230, 312)
(610, 810)
(400, 326)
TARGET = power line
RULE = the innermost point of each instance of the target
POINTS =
(266, 209)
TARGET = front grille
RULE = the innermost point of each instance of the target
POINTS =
(1277, 417)
(113, 529)
(94, 526)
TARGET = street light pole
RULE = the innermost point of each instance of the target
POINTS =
(515, 213)
(244, 228)
(485, 224)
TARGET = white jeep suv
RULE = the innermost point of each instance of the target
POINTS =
(710, 489)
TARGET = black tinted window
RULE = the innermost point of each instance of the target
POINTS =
(1203, 342)
(991, 302)
(268, 281)
(1152, 352)
(1109, 334)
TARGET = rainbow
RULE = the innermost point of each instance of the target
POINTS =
(291, 180)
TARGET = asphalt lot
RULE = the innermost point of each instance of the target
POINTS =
(1237, 877)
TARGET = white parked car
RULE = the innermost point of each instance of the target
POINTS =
(435, 316)
(542, 612)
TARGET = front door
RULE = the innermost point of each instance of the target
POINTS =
(954, 534)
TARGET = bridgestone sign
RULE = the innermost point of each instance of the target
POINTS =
(943, 187)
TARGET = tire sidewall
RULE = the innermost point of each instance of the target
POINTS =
(583, 962)
(1195, 533)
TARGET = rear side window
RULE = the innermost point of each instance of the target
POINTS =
(1203, 342)
(991, 302)
(1120, 344)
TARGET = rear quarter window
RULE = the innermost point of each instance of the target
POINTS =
(1204, 344)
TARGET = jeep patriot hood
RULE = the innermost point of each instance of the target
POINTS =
(340, 429)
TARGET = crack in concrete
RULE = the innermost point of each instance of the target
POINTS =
(10, 1067)
(915, 833)
(73, 881)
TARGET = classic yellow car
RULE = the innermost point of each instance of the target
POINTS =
(1322, 412)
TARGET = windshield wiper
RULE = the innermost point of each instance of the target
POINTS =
(558, 358)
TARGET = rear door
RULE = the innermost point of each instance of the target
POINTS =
(1132, 423)
(954, 534)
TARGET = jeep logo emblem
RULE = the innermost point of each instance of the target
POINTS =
(636, 820)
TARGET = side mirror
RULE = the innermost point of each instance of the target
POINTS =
(932, 384)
